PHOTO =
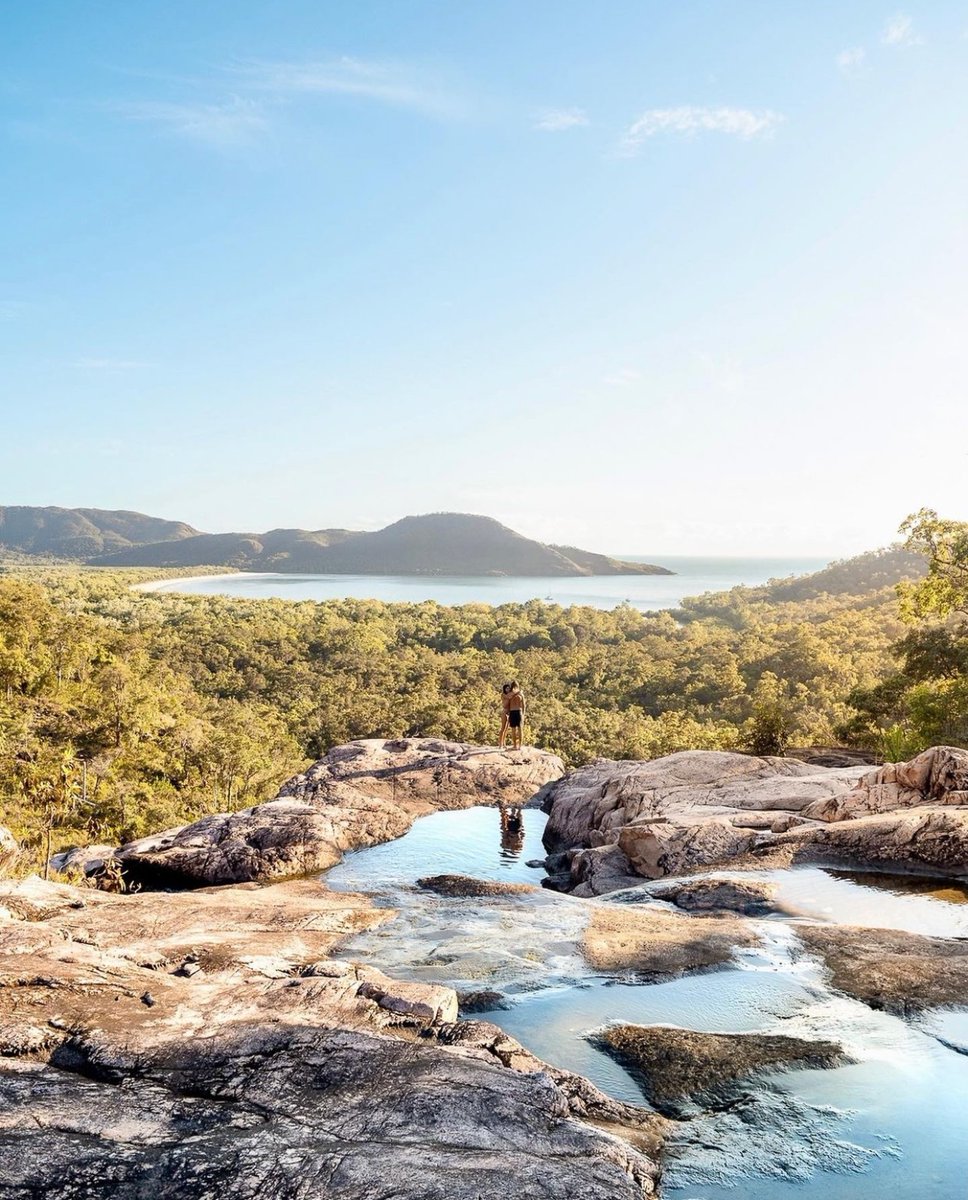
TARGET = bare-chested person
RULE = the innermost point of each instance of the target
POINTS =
(516, 709)
(505, 720)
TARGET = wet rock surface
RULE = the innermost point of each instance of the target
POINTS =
(657, 944)
(889, 969)
(598, 871)
(360, 794)
(484, 1000)
(679, 1066)
(465, 885)
(639, 1126)
(186, 1043)
(765, 1135)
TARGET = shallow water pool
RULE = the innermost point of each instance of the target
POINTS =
(467, 842)
(894, 1120)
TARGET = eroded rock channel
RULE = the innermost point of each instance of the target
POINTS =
(725, 997)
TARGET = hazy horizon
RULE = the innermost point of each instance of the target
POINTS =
(689, 278)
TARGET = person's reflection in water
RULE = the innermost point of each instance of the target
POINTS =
(512, 831)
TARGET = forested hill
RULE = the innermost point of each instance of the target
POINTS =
(82, 533)
(434, 544)
(852, 576)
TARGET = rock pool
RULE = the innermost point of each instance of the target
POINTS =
(893, 1119)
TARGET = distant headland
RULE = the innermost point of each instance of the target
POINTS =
(431, 544)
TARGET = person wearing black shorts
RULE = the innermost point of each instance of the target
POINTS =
(516, 710)
(505, 719)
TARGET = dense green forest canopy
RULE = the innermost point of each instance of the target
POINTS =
(122, 712)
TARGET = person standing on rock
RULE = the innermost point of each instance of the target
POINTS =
(505, 696)
(516, 708)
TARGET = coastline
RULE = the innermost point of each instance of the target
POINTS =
(158, 585)
(647, 593)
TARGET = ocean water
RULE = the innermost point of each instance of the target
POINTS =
(693, 577)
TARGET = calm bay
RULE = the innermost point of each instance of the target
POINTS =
(693, 577)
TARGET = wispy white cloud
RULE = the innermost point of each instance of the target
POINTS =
(691, 119)
(852, 62)
(899, 31)
(557, 120)
(623, 378)
(236, 122)
(111, 366)
(394, 84)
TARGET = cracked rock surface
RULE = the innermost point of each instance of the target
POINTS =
(185, 1044)
(702, 809)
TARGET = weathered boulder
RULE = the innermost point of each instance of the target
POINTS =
(277, 840)
(428, 774)
(86, 860)
(483, 1000)
(685, 811)
(598, 871)
(360, 794)
(426, 1002)
(938, 776)
(592, 805)
(751, 897)
(833, 756)
(636, 1125)
(291, 1111)
(676, 1066)
(9, 849)
(666, 847)
(932, 839)
(700, 809)
(912, 816)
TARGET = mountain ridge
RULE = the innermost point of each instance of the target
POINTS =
(440, 543)
(83, 533)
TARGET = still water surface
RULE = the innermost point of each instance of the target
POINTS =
(693, 577)
(892, 1122)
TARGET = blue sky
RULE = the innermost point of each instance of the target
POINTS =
(662, 277)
